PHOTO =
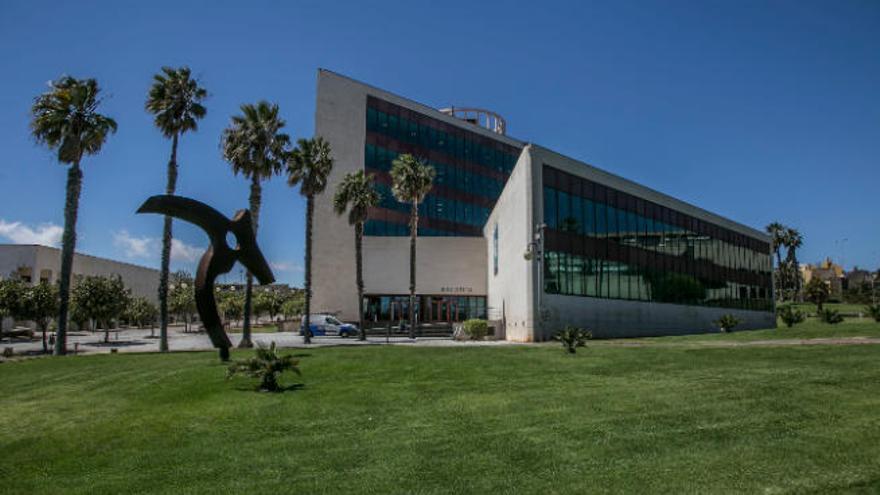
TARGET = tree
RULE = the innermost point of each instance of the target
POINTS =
(230, 304)
(793, 241)
(182, 296)
(268, 301)
(101, 299)
(790, 315)
(40, 304)
(66, 119)
(256, 148)
(267, 365)
(308, 167)
(175, 99)
(412, 179)
(11, 294)
(357, 195)
(817, 292)
(776, 231)
(293, 307)
(141, 312)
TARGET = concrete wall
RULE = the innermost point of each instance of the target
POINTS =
(511, 291)
(617, 318)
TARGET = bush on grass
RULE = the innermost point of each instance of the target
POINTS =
(571, 338)
(476, 329)
(790, 315)
(267, 365)
(873, 311)
(830, 316)
(727, 322)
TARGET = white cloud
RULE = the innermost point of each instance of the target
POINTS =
(47, 234)
(151, 247)
(181, 251)
(133, 247)
(285, 266)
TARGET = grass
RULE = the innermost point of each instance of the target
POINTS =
(812, 328)
(843, 308)
(386, 419)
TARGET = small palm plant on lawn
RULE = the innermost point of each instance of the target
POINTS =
(727, 322)
(571, 338)
(267, 365)
(790, 315)
(873, 311)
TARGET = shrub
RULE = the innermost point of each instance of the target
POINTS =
(727, 322)
(266, 365)
(572, 338)
(873, 311)
(790, 315)
(476, 329)
(830, 316)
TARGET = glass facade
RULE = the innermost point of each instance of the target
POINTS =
(601, 242)
(442, 308)
(471, 171)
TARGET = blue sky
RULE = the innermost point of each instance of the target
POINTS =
(758, 111)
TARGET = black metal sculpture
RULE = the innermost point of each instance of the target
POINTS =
(220, 256)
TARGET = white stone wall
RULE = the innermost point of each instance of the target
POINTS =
(511, 291)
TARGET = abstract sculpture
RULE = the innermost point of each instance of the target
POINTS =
(220, 256)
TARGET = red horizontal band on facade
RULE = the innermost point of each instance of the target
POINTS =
(438, 190)
(401, 218)
(419, 151)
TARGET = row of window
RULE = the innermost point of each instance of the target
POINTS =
(585, 217)
(461, 145)
(395, 229)
(380, 158)
(576, 275)
(437, 207)
(428, 308)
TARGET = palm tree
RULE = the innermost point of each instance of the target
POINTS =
(411, 181)
(66, 119)
(793, 241)
(309, 166)
(776, 231)
(357, 195)
(175, 98)
(255, 147)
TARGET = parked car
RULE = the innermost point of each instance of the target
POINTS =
(328, 325)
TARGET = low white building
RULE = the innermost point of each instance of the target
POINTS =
(517, 233)
(33, 264)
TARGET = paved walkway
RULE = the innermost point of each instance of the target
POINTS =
(137, 340)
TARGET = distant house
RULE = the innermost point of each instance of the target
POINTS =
(857, 278)
(827, 271)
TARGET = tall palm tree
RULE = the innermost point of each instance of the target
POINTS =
(175, 98)
(357, 195)
(412, 180)
(776, 231)
(793, 241)
(256, 148)
(309, 166)
(66, 119)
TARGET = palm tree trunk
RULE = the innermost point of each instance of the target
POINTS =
(68, 245)
(45, 342)
(359, 268)
(307, 330)
(170, 187)
(255, 200)
(413, 232)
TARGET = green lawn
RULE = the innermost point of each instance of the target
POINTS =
(810, 329)
(380, 419)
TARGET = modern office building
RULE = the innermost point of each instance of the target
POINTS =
(520, 234)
